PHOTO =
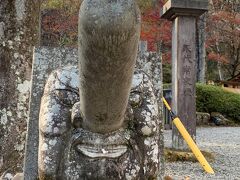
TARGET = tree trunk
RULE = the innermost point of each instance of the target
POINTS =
(201, 49)
(219, 64)
(19, 21)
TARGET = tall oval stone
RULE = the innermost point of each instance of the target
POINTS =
(108, 40)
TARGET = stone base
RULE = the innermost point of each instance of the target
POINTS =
(219, 120)
(203, 118)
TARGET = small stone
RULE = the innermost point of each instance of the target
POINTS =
(219, 120)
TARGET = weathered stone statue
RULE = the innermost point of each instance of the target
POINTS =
(106, 125)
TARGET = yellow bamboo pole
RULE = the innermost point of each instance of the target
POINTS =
(186, 136)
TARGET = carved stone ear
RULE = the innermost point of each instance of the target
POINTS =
(76, 117)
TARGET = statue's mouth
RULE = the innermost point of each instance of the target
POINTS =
(97, 151)
(96, 145)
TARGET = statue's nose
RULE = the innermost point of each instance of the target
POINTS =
(108, 41)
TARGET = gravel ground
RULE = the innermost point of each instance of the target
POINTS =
(223, 142)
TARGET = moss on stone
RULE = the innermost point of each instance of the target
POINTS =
(172, 155)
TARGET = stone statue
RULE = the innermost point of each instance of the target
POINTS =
(105, 126)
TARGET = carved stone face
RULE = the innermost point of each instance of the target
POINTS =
(73, 152)
(114, 129)
(128, 153)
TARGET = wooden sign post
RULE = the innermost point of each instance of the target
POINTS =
(184, 14)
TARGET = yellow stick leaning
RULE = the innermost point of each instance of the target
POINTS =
(186, 136)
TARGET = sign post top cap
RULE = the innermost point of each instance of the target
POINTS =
(175, 8)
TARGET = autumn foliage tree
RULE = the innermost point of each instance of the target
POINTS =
(156, 31)
(59, 22)
(223, 40)
(60, 19)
